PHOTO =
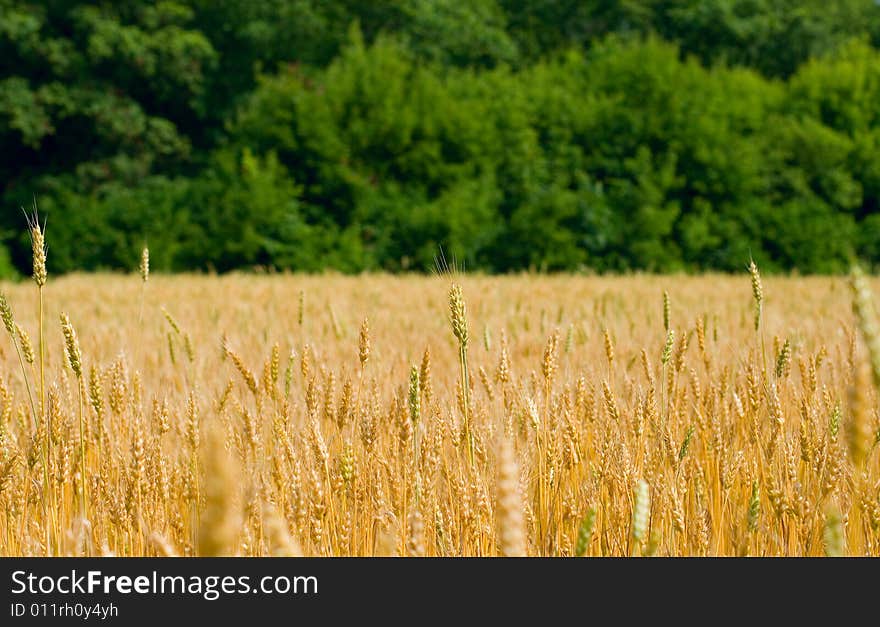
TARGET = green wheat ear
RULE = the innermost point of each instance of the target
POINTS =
(754, 508)
(415, 395)
(585, 532)
(833, 534)
(783, 360)
(667, 347)
(686, 443)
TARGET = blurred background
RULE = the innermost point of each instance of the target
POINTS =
(566, 135)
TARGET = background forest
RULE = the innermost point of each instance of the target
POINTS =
(660, 135)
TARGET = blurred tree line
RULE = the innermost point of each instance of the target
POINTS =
(552, 134)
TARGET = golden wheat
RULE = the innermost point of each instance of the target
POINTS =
(372, 438)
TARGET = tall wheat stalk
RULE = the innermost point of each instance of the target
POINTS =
(40, 276)
(74, 358)
(758, 296)
(458, 317)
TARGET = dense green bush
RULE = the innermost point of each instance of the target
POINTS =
(665, 135)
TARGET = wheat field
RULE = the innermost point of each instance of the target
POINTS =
(261, 414)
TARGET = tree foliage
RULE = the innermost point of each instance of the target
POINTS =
(663, 135)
